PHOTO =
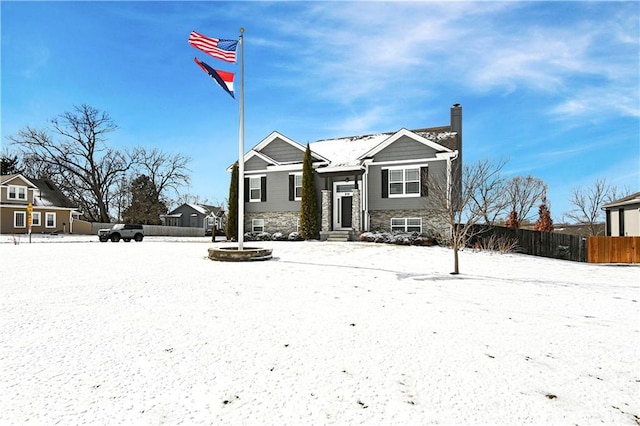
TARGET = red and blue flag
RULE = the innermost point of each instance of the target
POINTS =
(223, 78)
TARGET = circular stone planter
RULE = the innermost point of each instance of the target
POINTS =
(232, 254)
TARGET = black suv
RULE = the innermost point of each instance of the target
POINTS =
(126, 232)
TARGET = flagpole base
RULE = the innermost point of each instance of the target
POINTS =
(234, 254)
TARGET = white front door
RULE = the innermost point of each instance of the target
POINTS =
(342, 204)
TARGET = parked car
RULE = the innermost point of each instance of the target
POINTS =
(123, 231)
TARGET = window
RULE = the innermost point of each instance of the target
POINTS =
(35, 219)
(17, 192)
(50, 220)
(295, 187)
(406, 224)
(404, 182)
(19, 219)
(257, 225)
(255, 189)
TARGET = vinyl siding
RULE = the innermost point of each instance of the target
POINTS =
(255, 163)
(283, 152)
(437, 170)
(278, 195)
(405, 148)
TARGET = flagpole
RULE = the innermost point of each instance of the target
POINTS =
(241, 148)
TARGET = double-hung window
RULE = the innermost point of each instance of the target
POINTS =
(255, 189)
(17, 192)
(19, 219)
(404, 182)
(50, 220)
(406, 224)
(295, 186)
(35, 219)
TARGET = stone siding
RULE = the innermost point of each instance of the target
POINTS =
(380, 220)
(285, 222)
(325, 224)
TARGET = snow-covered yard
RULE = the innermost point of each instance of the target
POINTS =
(324, 333)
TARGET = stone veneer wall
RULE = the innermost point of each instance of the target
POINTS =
(325, 224)
(356, 213)
(380, 220)
(284, 222)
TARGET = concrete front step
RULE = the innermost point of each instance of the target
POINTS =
(336, 236)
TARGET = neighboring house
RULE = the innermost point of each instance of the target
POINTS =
(209, 218)
(52, 212)
(371, 182)
(622, 217)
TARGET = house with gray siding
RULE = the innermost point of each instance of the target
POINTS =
(623, 216)
(368, 182)
(209, 218)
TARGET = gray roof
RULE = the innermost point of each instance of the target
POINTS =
(50, 194)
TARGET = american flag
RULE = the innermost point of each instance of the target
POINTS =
(218, 48)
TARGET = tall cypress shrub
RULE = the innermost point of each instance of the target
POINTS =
(232, 219)
(309, 223)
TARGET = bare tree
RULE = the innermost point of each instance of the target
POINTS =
(72, 151)
(459, 219)
(78, 161)
(616, 193)
(489, 197)
(523, 192)
(167, 172)
(586, 204)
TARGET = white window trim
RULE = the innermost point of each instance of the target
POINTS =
(17, 190)
(296, 198)
(405, 219)
(15, 219)
(257, 223)
(46, 220)
(35, 222)
(404, 182)
(259, 179)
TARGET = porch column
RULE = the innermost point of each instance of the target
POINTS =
(326, 211)
(356, 213)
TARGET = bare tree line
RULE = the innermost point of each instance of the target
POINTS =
(73, 151)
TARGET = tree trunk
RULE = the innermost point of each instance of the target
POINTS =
(456, 269)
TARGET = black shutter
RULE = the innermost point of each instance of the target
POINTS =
(385, 183)
(263, 188)
(292, 187)
(246, 190)
(424, 181)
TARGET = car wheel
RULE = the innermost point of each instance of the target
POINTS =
(115, 238)
(126, 240)
(138, 237)
(103, 240)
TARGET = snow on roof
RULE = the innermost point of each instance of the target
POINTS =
(198, 208)
(345, 151)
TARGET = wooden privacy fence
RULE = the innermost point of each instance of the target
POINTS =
(537, 243)
(614, 250)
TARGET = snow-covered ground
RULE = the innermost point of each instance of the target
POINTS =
(324, 333)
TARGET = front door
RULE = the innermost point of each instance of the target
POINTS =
(342, 204)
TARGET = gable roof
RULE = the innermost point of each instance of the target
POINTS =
(348, 152)
(203, 209)
(6, 179)
(399, 134)
(47, 194)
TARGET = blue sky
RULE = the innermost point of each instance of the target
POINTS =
(553, 86)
